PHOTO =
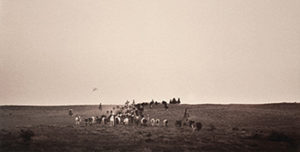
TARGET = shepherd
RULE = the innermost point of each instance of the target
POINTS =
(186, 116)
(100, 106)
(71, 112)
(165, 105)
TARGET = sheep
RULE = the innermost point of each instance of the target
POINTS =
(144, 121)
(77, 120)
(118, 120)
(185, 122)
(178, 123)
(165, 122)
(148, 118)
(93, 120)
(152, 122)
(131, 118)
(126, 121)
(191, 122)
(157, 121)
(137, 120)
(112, 120)
(88, 121)
(103, 120)
(98, 120)
(196, 126)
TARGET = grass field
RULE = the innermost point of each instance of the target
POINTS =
(267, 127)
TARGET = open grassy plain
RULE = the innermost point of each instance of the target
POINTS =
(266, 127)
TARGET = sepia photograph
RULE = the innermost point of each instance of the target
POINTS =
(149, 76)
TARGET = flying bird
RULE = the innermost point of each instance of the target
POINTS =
(95, 89)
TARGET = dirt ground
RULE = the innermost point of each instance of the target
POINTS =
(268, 127)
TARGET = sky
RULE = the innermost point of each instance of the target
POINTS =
(55, 52)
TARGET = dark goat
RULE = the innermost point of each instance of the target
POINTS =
(178, 123)
(197, 126)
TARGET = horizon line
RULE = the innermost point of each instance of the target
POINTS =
(58, 105)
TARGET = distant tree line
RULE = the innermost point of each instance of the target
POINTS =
(174, 101)
(152, 102)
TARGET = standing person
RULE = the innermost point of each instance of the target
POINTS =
(100, 106)
(127, 104)
(166, 106)
(186, 114)
(71, 112)
(185, 117)
(151, 103)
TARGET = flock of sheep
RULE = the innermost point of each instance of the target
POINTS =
(132, 114)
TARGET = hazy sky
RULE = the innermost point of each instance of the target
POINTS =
(203, 51)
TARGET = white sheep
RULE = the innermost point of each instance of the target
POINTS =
(165, 122)
(118, 120)
(103, 120)
(77, 120)
(93, 119)
(112, 120)
(126, 121)
(144, 121)
(157, 121)
(152, 122)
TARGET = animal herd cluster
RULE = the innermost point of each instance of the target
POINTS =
(185, 121)
(196, 126)
(133, 114)
(129, 114)
(120, 119)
